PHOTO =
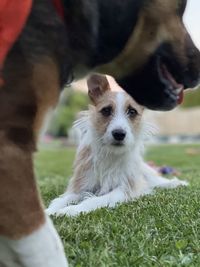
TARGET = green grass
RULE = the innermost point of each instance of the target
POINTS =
(157, 230)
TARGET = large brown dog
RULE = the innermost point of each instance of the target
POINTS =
(142, 43)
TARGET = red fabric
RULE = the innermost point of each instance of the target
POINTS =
(59, 7)
(13, 15)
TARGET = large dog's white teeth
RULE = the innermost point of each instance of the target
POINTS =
(178, 90)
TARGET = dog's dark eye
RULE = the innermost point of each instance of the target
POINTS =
(107, 111)
(131, 112)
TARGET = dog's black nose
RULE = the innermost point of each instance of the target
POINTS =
(119, 134)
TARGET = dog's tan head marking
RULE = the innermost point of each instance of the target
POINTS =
(102, 98)
(134, 112)
(97, 86)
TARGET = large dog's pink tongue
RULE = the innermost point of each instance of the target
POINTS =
(181, 97)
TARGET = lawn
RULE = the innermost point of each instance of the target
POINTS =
(157, 230)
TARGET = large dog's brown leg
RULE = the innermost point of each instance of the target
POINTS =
(27, 237)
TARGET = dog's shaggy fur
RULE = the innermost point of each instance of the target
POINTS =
(142, 43)
(109, 166)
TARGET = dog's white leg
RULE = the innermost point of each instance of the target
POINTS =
(92, 203)
(42, 248)
(162, 182)
(62, 201)
(154, 180)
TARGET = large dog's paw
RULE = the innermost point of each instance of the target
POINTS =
(41, 248)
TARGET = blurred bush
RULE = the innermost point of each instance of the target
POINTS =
(70, 104)
(192, 99)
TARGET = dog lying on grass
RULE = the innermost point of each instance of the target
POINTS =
(109, 166)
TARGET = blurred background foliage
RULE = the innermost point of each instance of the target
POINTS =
(192, 99)
(71, 103)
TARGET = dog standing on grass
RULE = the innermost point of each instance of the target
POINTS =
(109, 166)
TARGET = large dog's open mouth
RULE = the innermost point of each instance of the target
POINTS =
(160, 83)
(172, 88)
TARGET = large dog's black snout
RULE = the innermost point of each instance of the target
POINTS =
(119, 134)
(192, 72)
(151, 87)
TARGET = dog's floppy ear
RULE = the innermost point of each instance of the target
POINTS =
(97, 86)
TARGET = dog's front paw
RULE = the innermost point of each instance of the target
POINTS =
(50, 211)
(175, 182)
(55, 205)
(70, 211)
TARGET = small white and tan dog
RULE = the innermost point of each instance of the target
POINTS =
(109, 166)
